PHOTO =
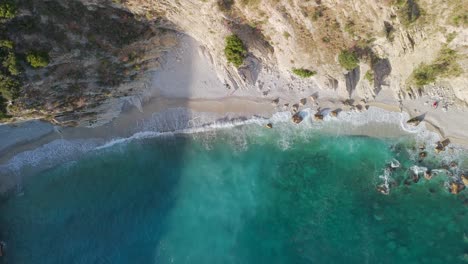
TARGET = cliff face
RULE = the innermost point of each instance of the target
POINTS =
(102, 52)
(391, 38)
(99, 57)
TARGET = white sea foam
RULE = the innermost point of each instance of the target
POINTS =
(183, 121)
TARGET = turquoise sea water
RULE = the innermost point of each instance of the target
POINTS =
(236, 196)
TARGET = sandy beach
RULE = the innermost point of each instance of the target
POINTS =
(188, 80)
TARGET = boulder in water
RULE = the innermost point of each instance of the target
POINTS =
(456, 187)
(318, 116)
(334, 113)
(445, 142)
(422, 154)
(428, 174)
(464, 178)
(269, 125)
(414, 121)
(297, 118)
(440, 145)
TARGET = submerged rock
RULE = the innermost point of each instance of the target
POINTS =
(453, 165)
(297, 118)
(383, 189)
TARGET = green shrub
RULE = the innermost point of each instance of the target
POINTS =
(11, 64)
(304, 73)
(409, 11)
(369, 76)
(8, 44)
(451, 36)
(445, 65)
(235, 50)
(38, 59)
(7, 10)
(460, 20)
(225, 5)
(348, 60)
(3, 107)
(9, 87)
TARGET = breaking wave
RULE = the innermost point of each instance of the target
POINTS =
(205, 125)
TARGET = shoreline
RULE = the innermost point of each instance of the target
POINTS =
(72, 143)
(233, 107)
(171, 98)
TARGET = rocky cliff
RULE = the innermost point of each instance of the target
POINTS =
(391, 39)
(103, 51)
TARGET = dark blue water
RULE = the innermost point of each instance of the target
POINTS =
(232, 199)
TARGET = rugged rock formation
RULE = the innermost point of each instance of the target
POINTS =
(391, 38)
(101, 51)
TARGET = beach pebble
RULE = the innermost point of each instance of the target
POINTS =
(275, 102)
(303, 101)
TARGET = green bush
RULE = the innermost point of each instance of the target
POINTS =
(11, 64)
(225, 5)
(304, 73)
(348, 60)
(7, 10)
(38, 59)
(8, 44)
(235, 51)
(369, 76)
(9, 87)
(409, 11)
(445, 65)
(3, 107)
(460, 20)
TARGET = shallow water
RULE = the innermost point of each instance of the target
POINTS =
(236, 196)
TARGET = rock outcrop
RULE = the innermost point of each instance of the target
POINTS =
(102, 51)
